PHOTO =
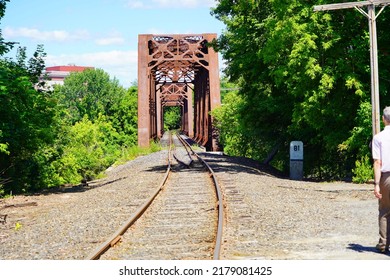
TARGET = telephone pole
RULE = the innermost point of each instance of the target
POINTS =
(372, 16)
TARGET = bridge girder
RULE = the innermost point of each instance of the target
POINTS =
(178, 70)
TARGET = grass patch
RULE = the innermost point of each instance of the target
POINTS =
(133, 152)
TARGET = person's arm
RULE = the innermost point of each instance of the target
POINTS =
(377, 178)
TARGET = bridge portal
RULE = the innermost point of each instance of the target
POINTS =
(178, 70)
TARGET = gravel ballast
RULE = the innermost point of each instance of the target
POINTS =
(267, 217)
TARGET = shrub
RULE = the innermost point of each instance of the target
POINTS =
(91, 148)
(363, 171)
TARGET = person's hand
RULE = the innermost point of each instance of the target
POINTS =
(377, 191)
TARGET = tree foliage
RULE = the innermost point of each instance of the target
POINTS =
(87, 149)
(303, 75)
(50, 138)
(99, 120)
(26, 118)
(172, 117)
(4, 46)
(90, 93)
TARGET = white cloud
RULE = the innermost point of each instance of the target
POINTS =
(135, 4)
(54, 35)
(113, 38)
(110, 41)
(60, 36)
(185, 3)
(147, 4)
(119, 64)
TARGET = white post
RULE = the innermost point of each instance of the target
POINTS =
(296, 160)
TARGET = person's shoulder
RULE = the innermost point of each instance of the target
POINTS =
(384, 133)
(379, 135)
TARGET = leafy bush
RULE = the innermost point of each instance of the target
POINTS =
(134, 151)
(363, 171)
(91, 147)
(301, 76)
(171, 118)
(27, 120)
(49, 138)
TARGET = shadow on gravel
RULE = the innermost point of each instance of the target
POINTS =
(83, 187)
(361, 249)
(157, 168)
(242, 165)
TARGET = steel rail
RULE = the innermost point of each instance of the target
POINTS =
(218, 191)
(117, 236)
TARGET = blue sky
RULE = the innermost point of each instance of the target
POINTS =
(102, 33)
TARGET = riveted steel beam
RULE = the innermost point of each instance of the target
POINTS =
(171, 68)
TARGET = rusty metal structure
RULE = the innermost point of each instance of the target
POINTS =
(178, 70)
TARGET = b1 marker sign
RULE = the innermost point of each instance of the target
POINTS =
(296, 160)
(296, 150)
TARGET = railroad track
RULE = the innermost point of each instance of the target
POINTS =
(183, 218)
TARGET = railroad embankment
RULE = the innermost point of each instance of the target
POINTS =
(267, 217)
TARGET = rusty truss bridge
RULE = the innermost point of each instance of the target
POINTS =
(178, 70)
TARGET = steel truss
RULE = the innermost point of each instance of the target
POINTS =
(177, 70)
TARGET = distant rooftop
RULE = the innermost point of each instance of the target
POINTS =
(68, 68)
(57, 74)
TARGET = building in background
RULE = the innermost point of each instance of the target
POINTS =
(57, 74)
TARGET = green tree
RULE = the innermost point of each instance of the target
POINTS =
(124, 116)
(52, 138)
(172, 117)
(88, 144)
(88, 148)
(4, 46)
(27, 118)
(227, 121)
(302, 76)
(90, 93)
